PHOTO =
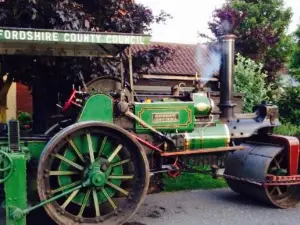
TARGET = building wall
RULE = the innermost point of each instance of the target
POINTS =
(11, 102)
(23, 99)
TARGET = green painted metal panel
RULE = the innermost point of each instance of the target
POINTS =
(165, 116)
(216, 135)
(46, 36)
(98, 107)
(203, 104)
(15, 188)
(34, 147)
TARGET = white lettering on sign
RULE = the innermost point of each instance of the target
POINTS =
(37, 36)
(67, 37)
(109, 39)
(133, 40)
(55, 36)
(86, 38)
(98, 38)
(7, 34)
(165, 117)
(30, 35)
(126, 39)
(22, 35)
(47, 36)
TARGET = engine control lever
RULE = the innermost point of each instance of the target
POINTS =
(59, 106)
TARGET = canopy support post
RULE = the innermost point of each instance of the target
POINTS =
(131, 72)
(122, 77)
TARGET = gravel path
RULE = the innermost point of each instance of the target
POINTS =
(215, 207)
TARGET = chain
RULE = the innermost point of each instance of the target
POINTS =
(269, 181)
(275, 180)
(248, 180)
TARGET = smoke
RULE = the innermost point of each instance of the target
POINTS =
(226, 27)
(208, 59)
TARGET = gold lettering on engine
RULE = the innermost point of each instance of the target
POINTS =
(165, 117)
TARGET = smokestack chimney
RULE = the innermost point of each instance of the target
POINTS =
(226, 77)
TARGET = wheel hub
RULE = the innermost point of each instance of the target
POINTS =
(98, 172)
(98, 179)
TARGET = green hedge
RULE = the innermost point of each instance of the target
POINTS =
(288, 129)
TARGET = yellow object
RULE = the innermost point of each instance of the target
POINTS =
(148, 100)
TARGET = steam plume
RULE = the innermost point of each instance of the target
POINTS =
(208, 59)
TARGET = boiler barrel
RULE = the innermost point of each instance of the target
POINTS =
(213, 136)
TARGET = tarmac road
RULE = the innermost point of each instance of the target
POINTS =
(211, 207)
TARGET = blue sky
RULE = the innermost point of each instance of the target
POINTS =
(191, 16)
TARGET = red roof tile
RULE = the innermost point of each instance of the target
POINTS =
(184, 62)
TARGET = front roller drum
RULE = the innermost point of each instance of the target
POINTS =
(103, 164)
(248, 169)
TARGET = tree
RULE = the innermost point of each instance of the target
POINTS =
(289, 105)
(260, 27)
(51, 75)
(294, 63)
(250, 80)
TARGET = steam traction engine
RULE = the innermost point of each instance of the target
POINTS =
(97, 170)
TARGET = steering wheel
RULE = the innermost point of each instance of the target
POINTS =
(70, 101)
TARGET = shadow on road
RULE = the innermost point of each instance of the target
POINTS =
(240, 199)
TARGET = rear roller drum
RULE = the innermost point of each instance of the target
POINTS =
(253, 165)
(107, 165)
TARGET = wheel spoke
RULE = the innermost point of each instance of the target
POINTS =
(77, 166)
(91, 150)
(117, 177)
(76, 150)
(280, 160)
(277, 164)
(120, 162)
(69, 199)
(102, 146)
(279, 191)
(84, 203)
(62, 173)
(108, 198)
(115, 152)
(273, 190)
(66, 187)
(96, 203)
(117, 188)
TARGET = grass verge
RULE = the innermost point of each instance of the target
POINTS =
(192, 181)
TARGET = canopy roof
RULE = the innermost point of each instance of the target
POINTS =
(20, 41)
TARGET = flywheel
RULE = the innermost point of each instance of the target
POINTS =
(108, 84)
(106, 162)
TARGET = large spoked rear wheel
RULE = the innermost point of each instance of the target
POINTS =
(103, 158)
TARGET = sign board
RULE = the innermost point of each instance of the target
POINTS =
(46, 36)
(165, 117)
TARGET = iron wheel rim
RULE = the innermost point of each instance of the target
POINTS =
(139, 184)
